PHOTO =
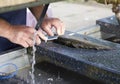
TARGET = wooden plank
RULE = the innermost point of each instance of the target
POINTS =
(11, 5)
(5, 3)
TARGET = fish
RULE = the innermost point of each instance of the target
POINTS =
(83, 41)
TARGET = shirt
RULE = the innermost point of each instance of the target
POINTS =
(17, 17)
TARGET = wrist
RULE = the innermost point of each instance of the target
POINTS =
(5, 29)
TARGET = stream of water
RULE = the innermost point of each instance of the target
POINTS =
(33, 60)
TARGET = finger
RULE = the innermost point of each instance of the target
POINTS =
(63, 28)
(30, 42)
(58, 24)
(24, 44)
(31, 30)
(38, 41)
(48, 31)
(41, 35)
(58, 28)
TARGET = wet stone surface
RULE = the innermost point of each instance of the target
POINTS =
(109, 25)
(101, 65)
(46, 73)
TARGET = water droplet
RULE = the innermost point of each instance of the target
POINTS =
(111, 18)
(39, 74)
(50, 79)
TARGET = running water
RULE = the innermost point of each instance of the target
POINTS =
(33, 60)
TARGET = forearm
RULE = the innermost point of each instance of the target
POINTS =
(36, 11)
(48, 23)
(4, 28)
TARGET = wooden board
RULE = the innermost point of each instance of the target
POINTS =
(9, 5)
(4, 3)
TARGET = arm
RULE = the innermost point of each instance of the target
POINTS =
(48, 23)
(19, 34)
(23, 35)
(4, 28)
(36, 11)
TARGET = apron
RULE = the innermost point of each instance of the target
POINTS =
(15, 18)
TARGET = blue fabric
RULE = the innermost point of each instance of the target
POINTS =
(16, 18)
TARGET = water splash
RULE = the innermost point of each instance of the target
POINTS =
(33, 60)
(59, 78)
(50, 79)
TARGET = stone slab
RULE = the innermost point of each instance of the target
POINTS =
(109, 25)
(102, 65)
(15, 5)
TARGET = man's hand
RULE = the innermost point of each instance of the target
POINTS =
(49, 23)
(24, 35)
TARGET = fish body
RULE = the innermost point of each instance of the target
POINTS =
(83, 41)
